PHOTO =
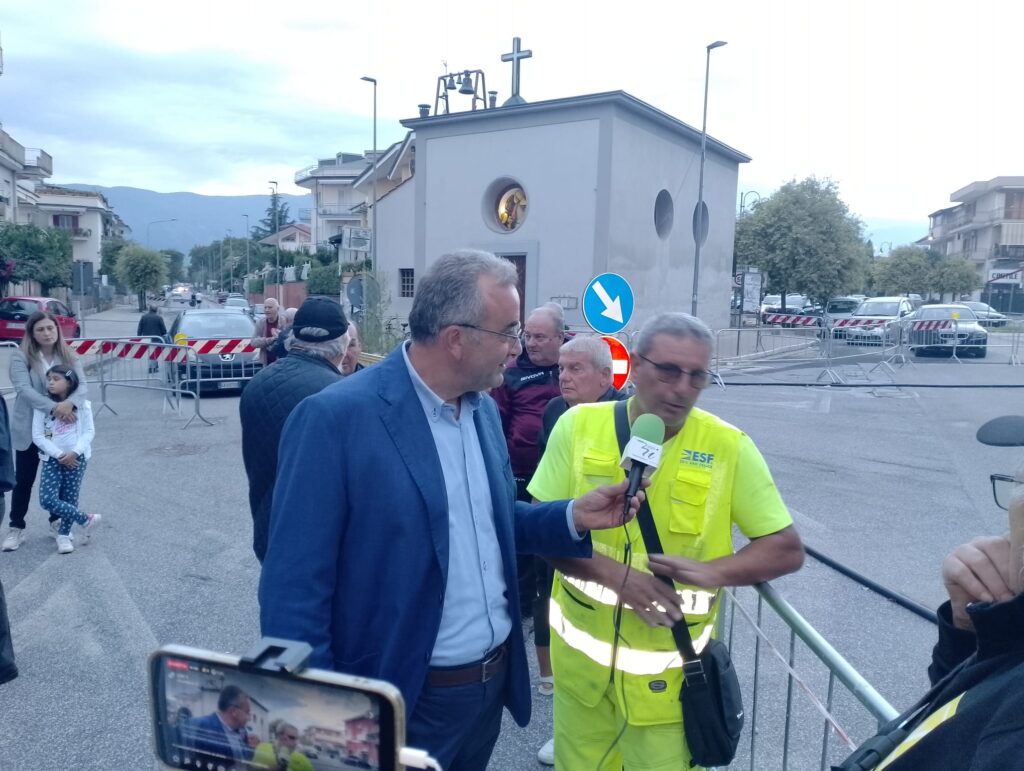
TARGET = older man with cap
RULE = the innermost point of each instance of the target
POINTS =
(971, 716)
(316, 347)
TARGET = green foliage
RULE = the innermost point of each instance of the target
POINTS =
(326, 256)
(30, 253)
(362, 266)
(110, 248)
(324, 279)
(955, 276)
(905, 270)
(256, 285)
(277, 218)
(175, 265)
(805, 239)
(141, 269)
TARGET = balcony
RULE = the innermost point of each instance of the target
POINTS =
(12, 149)
(338, 210)
(38, 163)
(80, 234)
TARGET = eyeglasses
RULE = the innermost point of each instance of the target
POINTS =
(1003, 489)
(670, 373)
(510, 337)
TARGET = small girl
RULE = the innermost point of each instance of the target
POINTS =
(64, 449)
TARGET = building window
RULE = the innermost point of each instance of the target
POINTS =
(406, 282)
(65, 221)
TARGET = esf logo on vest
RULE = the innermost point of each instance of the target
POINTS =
(695, 458)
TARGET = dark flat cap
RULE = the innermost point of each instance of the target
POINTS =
(1007, 431)
(319, 319)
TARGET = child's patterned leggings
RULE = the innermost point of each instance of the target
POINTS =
(58, 492)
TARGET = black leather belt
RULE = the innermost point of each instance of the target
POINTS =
(482, 671)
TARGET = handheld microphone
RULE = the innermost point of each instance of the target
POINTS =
(643, 452)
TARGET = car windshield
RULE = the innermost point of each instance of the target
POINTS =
(842, 306)
(877, 309)
(945, 312)
(217, 325)
(236, 302)
(772, 299)
(11, 306)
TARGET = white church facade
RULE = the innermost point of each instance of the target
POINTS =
(566, 189)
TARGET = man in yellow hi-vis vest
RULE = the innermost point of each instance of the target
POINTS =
(711, 476)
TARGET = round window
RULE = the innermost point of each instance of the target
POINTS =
(664, 214)
(510, 207)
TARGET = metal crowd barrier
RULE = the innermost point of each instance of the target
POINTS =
(819, 729)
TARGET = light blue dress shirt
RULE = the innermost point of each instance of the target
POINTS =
(475, 617)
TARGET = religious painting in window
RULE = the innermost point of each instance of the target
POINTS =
(510, 207)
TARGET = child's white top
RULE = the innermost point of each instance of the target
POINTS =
(54, 437)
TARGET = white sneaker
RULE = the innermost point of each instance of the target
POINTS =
(54, 528)
(14, 538)
(90, 527)
(546, 754)
(64, 545)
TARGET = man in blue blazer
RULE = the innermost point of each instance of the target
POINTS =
(221, 738)
(394, 527)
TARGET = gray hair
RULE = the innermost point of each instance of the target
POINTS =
(330, 350)
(289, 314)
(554, 312)
(599, 352)
(449, 292)
(681, 325)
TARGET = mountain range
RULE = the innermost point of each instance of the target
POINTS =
(199, 219)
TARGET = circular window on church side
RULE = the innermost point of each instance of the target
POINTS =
(510, 207)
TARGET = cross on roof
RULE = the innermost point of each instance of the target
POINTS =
(515, 57)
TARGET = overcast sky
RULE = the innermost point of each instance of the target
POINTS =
(900, 103)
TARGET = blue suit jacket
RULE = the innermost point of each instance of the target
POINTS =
(207, 737)
(357, 558)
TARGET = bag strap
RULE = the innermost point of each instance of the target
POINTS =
(652, 542)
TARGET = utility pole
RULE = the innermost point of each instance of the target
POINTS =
(277, 238)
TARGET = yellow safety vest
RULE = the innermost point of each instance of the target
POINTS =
(691, 499)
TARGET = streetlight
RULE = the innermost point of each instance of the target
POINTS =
(745, 196)
(156, 222)
(699, 230)
(231, 270)
(247, 239)
(373, 241)
(277, 240)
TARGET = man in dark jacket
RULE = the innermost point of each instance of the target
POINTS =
(973, 718)
(318, 343)
(152, 325)
(521, 398)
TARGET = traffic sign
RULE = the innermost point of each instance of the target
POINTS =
(620, 361)
(608, 303)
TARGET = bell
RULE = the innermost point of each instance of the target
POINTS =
(450, 85)
(467, 85)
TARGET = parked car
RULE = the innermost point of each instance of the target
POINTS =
(772, 303)
(887, 310)
(840, 308)
(237, 302)
(14, 312)
(987, 315)
(966, 336)
(215, 371)
(222, 297)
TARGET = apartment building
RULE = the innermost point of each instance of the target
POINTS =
(986, 227)
(20, 168)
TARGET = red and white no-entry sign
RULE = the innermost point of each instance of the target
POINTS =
(620, 361)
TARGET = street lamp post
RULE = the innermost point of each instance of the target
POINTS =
(231, 268)
(699, 231)
(373, 242)
(156, 222)
(277, 240)
(247, 239)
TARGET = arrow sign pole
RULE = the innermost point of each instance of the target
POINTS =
(612, 308)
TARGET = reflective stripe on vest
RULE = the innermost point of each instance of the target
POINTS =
(629, 660)
(694, 602)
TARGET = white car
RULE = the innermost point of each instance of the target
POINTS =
(874, 321)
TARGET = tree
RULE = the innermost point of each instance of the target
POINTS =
(108, 256)
(271, 223)
(954, 275)
(324, 279)
(905, 270)
(175, 265)
(30, 253)
(141, 269)
(805, 239)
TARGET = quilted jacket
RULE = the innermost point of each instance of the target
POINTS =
(265, 405)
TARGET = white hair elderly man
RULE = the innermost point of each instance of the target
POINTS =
(316, 347)
(350, 364)
(267, 329)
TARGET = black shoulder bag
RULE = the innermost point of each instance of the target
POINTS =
(711, 698)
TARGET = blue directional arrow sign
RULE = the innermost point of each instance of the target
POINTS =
(608, 303)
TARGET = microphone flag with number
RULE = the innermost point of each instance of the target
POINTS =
(643, 452)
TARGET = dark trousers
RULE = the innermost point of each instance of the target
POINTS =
(26, 466)
(544, 574)
(458, 725)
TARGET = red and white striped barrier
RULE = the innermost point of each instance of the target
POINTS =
(133, 348)
(796, 320)
(917, 326)
(221, 346)
(840, 323)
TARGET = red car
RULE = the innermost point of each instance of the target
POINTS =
(14, 312)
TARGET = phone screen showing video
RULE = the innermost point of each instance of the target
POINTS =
(219, 718)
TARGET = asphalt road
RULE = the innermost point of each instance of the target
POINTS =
(885, 479)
